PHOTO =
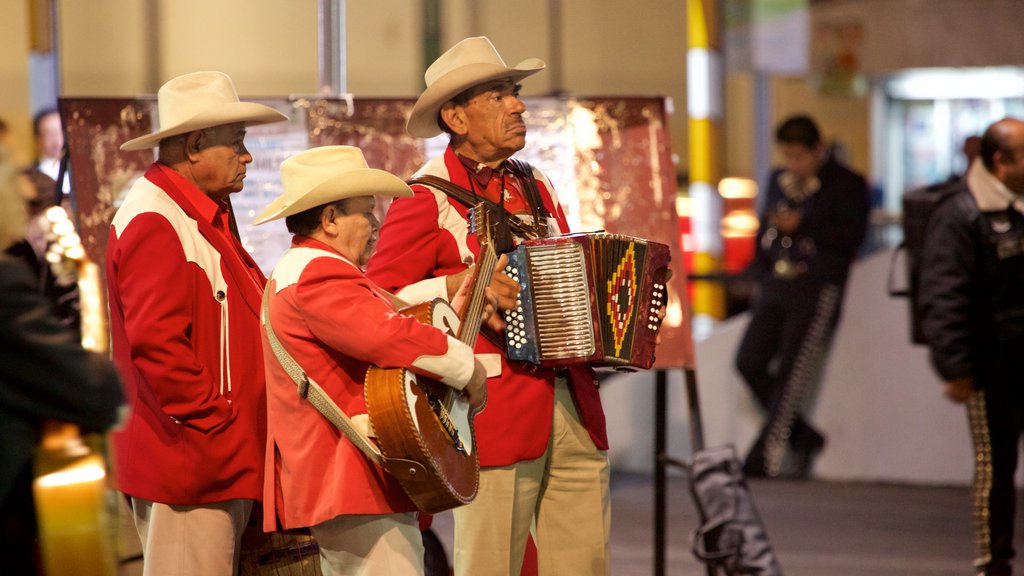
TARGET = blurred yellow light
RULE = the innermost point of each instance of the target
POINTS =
(77, 474)
(683, 204)
(70, 240)
(56, 214)
(739, 224)
(62, 227)
(76, 252)
(737, 188)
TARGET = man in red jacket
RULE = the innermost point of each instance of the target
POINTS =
(542, 440)
(184, 306)
(335, 323)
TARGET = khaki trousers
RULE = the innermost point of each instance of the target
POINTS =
(370, 545)
(190, 540)
(561, 498)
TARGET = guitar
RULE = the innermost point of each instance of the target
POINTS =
(424, 428)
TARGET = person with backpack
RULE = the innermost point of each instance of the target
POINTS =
(813, 220)
(971, 302)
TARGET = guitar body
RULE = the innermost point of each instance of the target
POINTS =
(429, 443)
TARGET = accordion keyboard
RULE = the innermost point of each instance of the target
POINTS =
(558, 287)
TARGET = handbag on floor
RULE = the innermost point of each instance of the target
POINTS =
(731, 536)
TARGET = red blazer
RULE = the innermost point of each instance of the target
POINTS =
(184, 310)
(335, 322)
(424, 239)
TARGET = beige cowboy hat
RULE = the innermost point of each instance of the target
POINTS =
(201, 100)
(327, 174)
(471, 62)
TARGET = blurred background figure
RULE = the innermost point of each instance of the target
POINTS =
(53, 271)
(49, 136)
(972, 310)
(813, 221)
(44, 375)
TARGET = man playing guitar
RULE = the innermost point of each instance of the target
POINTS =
(335, 324)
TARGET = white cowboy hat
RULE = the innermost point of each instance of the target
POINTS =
(471, 62)
(201, 100)
(327, 174)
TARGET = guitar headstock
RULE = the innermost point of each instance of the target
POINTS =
(492, 231)
(480, 224)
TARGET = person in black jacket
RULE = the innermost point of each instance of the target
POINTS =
(813, 220)
(971, 302)
(44, 375)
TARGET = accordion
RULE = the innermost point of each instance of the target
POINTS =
(586, 299)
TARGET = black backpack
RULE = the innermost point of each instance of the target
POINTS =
(918, 206)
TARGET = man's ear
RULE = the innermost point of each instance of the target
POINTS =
(327, 216)
(455, 117)
(194, 144)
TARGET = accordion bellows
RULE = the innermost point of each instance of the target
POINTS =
(587, 299)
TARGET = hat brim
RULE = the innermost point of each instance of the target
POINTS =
(423, 120)
(249, 113)
(348, 184)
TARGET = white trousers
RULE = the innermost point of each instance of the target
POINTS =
(190, 540)
(561, 498)
(370, 545)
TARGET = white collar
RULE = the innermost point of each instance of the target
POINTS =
(989, 193)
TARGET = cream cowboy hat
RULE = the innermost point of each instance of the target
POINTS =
(471, 62)
(327, 174)
(201, 100)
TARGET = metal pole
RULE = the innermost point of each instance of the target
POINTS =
(660, 445)
(555, 43)
(693, 401)
(331, 56)
(431, 31)
(152, 41)
(762, 129)
(705, 108)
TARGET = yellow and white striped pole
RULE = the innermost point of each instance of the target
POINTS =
(705, 109)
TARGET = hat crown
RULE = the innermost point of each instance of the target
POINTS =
(187, 96)
(469, 63)
(476, 50)
(312, 167)
(327, 174)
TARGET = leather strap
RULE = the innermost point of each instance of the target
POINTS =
(525, 174)
(315, 395)
(468, 199)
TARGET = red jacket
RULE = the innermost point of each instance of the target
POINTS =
(425, 238)
(335, 322)
(184, 310)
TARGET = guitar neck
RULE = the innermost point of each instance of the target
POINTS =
(470, 326)
(480, 224)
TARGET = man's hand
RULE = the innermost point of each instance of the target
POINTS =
(505, 289)
(501, 294)
(457, 285)
(959, 390)
(787, 221)
(476, 391)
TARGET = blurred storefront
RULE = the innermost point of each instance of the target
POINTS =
(927, 114)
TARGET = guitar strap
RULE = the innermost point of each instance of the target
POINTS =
(525, 173)
(315, 395)
(467, 198)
